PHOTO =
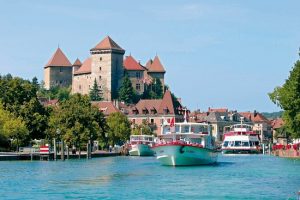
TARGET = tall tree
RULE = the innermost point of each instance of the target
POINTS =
(288, 98)
(77, 121)
(119, 128)
(126, 92)
(154, 90)
(95, 92)
(12, 127)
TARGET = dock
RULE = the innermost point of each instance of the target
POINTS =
(9, 156)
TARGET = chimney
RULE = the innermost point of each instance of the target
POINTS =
(254, 113)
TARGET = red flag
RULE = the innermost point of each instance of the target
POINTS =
(172, 125)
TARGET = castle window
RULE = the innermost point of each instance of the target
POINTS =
(152, 121)
(79, 87)
(99, 77)
(89, 86)
(100, 58)
(100, 68)
(138, 87)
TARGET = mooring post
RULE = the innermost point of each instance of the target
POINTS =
(54, 149)
(68, 153)
(62, 154)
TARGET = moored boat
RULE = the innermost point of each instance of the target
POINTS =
(241, 139)
(140, 145)
(185, 144)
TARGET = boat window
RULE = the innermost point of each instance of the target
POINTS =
(185, 129)
(256, 143)
(246, 144)
(225, 144)
(237, 143)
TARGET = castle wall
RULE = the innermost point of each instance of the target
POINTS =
(58, 76)
(137, 79)
(82, 83)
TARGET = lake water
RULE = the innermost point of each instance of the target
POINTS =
(234, 177)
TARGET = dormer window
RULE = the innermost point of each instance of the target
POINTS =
(153, 110)
(135, 111)
(145, 110)
(166, 111)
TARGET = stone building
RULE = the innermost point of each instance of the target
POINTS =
(58, 71)
(106, 65)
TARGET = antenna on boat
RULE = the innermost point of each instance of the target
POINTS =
(185, 115)
(242, 119)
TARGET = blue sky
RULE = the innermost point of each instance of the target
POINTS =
(216, 53)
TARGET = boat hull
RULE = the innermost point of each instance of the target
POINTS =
(141, 150)
(240, 151)
(181, 155)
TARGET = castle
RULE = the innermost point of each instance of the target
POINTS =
(107, 65)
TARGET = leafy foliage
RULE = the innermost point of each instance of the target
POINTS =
(77, 121)
(142, 129)
(56, 92)
(288, 98)
(12, 127)
(118, 128)
(154, 90)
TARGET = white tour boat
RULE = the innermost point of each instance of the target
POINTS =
(140, 145)
(240, 138)
(185, 144)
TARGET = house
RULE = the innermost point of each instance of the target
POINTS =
(261, 125)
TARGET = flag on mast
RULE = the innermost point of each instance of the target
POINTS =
(172, 125)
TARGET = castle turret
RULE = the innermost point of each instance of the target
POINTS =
(77, 64)
(58, 71)
(107, 67)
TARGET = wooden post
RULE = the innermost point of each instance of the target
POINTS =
(68, 153)
(62, 154)
(54, 149)
(87, 151)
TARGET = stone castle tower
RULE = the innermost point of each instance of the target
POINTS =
(107, 67)
(58, 71)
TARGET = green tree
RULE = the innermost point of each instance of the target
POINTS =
(142, 129)
(12, 127)
(77, 120)
(126, 92)
(118, 128)
(95, 92)
(35, 117)
(288, 98)
(154, 90)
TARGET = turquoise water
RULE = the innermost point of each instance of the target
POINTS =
(234, 177)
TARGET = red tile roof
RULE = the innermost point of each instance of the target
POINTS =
(254, 117)
(277, 123)
(107, 107)
(107, 43)
(149, 63)
(77, 62)
(157, 105)
(167, 102)
(85, 67)
(155, 66)
(59, 59)
(217, 110)
(131, 64)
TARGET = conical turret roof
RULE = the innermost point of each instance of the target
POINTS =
(155, 66)
(77, 62)
(107, 43)
(59, 59)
